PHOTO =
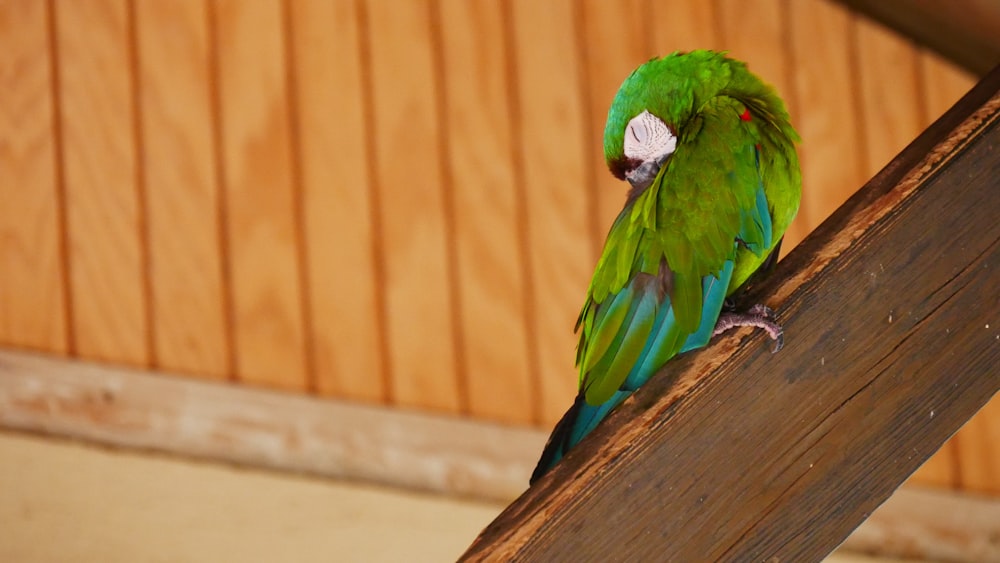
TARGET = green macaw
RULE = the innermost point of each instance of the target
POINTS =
(710, 155)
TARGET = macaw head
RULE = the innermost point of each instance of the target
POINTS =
(650, 114)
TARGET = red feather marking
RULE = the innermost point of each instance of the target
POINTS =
(745, 116)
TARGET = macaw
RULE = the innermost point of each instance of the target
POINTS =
(709, 153)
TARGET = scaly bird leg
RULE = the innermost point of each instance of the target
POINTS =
(757, 316)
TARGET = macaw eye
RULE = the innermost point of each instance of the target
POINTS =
(637, 129)
(647, 138)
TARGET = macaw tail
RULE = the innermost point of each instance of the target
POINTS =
(558, 441)
(577, 422)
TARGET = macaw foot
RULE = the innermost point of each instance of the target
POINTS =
(757, 316)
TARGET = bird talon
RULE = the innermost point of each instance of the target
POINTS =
(779, 343)
(758, 316)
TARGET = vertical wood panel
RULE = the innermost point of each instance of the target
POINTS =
(977, 447)
(683, 25)
(497, 365)
(616, 41)
(411, 192)
(890, 109)
(337, 199)
(828, 119)
(942, 469)
(755, 34)
(32, 304)
(561, 257)
(943, 84)
(103, 208)
(261, 222)
(178, 160)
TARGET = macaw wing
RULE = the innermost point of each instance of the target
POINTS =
(716, 203)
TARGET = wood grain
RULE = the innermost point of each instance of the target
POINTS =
(492, 288)
(756, 35)
(888, 74)
(846, 418)
(617, 41)
(32, 290)
(966, 32)
(414, 224)
(827, 108)
(261, 223)
(180, 181)
(941, 85)
(336, 190)
(977, 452)
(551, 113)
(97, 112)
(684, 25)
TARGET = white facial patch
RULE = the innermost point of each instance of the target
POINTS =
(647, 138)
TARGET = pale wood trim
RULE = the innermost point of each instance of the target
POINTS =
(931, 525)
(264, 428)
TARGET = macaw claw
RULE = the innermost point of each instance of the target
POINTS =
(759, 316)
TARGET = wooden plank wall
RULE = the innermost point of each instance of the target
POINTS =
(388, 201)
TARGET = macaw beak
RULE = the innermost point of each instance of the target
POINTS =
(642, 176)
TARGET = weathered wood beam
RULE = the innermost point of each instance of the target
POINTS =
(965, 31)
(891, 312)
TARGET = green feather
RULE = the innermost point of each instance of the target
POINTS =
(630, 341)
(607, 322)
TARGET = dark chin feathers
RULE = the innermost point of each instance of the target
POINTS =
(621, 166)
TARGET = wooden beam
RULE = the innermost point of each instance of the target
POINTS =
(892, 336)
(965, 31)
(238, 424)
